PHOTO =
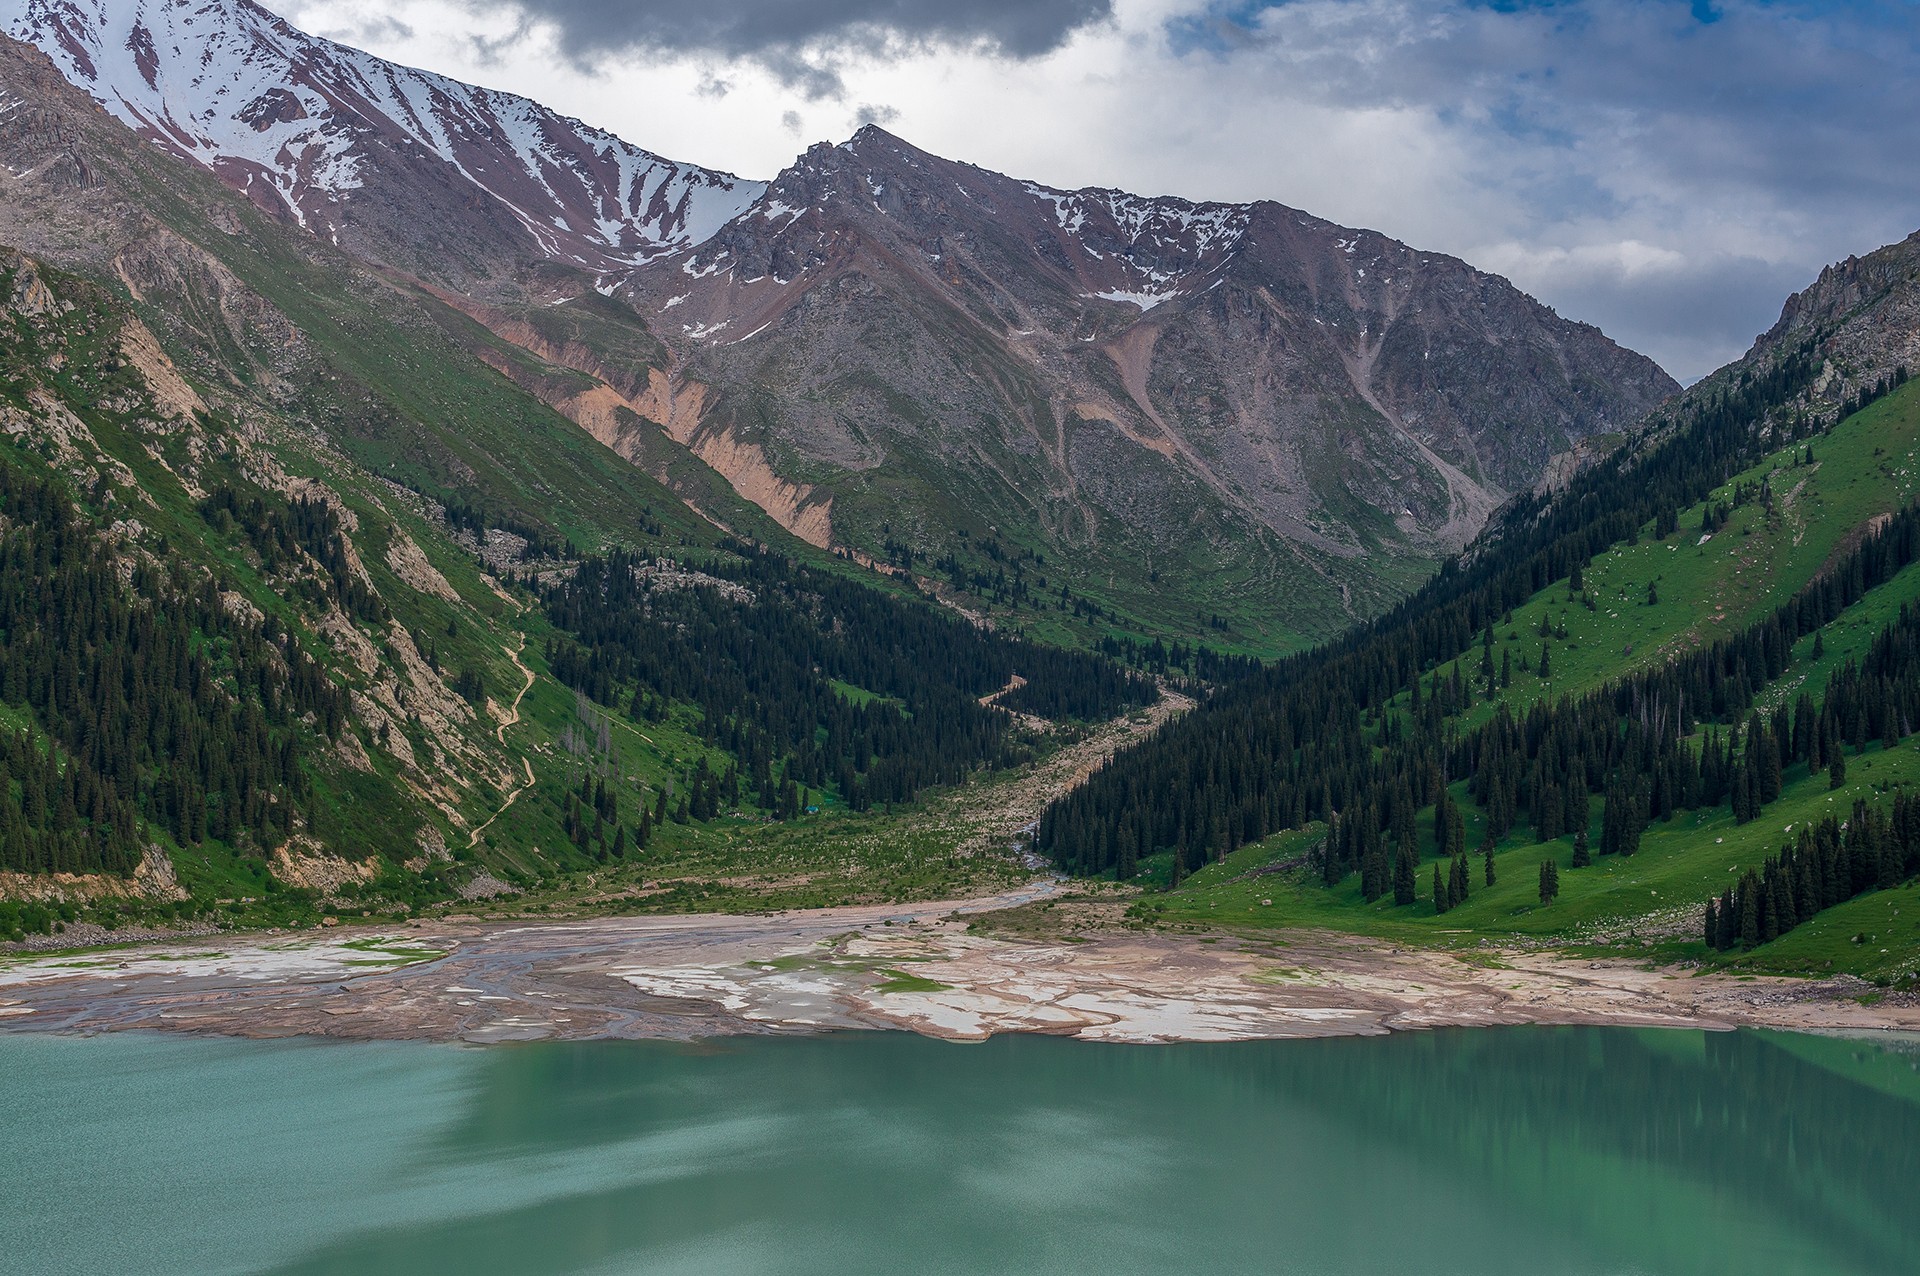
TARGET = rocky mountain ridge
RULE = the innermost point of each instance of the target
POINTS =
(1182, 417)
(311, 129)
(1119, 378)
(1863, 312)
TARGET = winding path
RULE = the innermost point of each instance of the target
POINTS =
(500, 734)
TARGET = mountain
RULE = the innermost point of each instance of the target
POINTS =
(1249, 402)
(394, 164)
(1865, 314)
(1072, 411)
(1690, 674)
(306, 604)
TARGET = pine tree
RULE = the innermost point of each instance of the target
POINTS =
(1405, 867)
(1439, 891)
(1549, 881)
(1749, 896)
(1582, 851)
(1729, 922)
(1745, 806)
(1486, 853)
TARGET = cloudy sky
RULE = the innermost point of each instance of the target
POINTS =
(1667, 169)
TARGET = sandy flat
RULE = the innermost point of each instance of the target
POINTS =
(913, 967)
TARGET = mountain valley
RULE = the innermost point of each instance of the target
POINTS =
(486, 515)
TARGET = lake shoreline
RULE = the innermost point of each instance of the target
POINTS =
(928, 968)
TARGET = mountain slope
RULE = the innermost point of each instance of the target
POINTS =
(241, 677)
(1640, 679)
(395, 164)
(281, 330)
(1271, 412)
(1074, 411)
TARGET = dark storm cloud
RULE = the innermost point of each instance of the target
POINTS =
(805, 43)
(770, 29)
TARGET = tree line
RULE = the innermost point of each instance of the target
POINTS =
(816, 681)
(1637, 743)
(140, 700)
(1875, 698)
(1828, 864)
(1312, 737)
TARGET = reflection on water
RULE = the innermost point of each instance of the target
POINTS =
(1480, 1151)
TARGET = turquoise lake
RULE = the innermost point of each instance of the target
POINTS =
(1517, 1150)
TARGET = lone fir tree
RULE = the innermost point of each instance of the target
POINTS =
(1405, 868)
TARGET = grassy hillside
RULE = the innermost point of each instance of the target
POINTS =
(1796, 521)
(1712, 585)
(449, 762)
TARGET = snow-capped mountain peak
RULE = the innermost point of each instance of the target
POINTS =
(302, 122)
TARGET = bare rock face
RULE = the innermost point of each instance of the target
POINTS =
(1863, 314)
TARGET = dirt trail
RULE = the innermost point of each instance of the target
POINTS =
(500, 734)
(1014, 683)
(513, 710)
(992, 701)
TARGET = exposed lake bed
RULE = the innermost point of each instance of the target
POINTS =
(927, 968)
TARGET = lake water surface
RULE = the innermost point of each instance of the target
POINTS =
(1487, 1151)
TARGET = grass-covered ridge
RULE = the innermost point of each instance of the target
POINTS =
(1749, 604)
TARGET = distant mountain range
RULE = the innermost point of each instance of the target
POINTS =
(1234, 420)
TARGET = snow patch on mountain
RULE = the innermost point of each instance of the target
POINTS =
(1145, 222)
(231, 86)
(1145, 300)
